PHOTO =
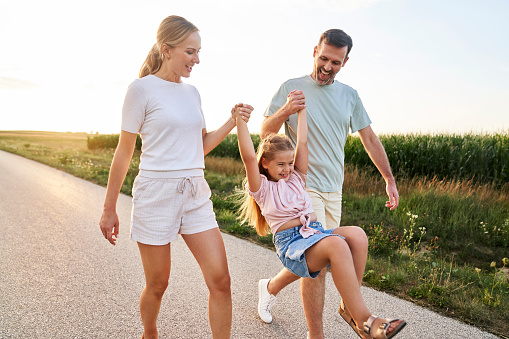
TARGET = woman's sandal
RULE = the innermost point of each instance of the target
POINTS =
(343, 311)
(366, 331)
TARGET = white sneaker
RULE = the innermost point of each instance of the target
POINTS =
(265, 301)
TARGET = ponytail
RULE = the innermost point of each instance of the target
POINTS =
(251, 213)
(152, 63)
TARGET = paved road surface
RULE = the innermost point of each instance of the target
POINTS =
(60, 278)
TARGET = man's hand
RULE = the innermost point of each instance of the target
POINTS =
(295, 102)
(392, 193)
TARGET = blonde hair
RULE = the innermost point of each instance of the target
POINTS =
(250, 211)
(172, 31)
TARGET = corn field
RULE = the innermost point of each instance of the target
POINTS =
(481, 158)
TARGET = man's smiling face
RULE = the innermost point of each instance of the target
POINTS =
(329, 60)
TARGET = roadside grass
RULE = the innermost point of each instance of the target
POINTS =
(445, 247)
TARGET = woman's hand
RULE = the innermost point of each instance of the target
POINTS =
(109, 226)
(243, 111)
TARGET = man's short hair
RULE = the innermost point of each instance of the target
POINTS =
(338, 38)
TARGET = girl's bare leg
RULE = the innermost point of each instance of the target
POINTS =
(208, 249)
(358, 243)
(280, 281)
(336, 252)
(156, 265)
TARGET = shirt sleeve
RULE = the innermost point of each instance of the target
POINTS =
(259, 196)
(301, 178)
(277, 101)
(360, 118)
(133, 111)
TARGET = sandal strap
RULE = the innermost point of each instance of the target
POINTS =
(368, 324)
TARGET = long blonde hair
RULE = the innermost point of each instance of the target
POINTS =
(250, 211)
(172, 31)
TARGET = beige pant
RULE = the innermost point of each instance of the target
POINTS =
(327, 207)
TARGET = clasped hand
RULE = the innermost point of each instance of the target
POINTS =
(243, 111)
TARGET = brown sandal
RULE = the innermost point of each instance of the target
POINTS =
(383, 327)
(343, 311)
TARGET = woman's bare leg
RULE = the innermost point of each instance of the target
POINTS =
(156, 265)
(208, 249)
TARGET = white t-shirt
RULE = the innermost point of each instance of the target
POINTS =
(170, 120)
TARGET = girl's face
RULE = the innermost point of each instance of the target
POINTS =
(280, 167)
(183, 57)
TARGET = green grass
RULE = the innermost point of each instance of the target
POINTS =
(443, 247)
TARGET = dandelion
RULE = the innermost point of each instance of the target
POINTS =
(478, 270)
(505, 261)
(493, 264)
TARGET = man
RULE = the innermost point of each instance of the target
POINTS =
(333, 109)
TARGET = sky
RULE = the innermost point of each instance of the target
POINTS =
(435, 66)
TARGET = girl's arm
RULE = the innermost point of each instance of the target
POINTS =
(109, 220)
(212, 139)
(301, 151)
(248, 155)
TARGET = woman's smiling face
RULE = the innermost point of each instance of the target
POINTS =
(183, 57)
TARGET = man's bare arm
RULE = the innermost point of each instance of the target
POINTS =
(294, 103)
(377, 154)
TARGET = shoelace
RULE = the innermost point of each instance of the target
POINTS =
(271, 302)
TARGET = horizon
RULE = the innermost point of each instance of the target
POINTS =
(417, 133)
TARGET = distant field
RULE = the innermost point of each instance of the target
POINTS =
(57, 140)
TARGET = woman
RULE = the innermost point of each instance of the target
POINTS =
(170, 194)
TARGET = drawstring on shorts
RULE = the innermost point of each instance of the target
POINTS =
(183, 184)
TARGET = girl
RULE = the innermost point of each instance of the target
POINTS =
(276, 200)
(170, 194)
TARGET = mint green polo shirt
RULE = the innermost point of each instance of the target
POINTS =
(332, 112)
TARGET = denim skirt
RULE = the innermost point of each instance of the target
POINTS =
(291, 248)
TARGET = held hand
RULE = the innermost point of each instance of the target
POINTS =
(295, 102)
(109, 226)
(243, 111)
(392, 192)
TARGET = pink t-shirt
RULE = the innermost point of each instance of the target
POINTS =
(283, 201)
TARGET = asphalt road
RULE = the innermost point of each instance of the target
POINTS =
(61, 279)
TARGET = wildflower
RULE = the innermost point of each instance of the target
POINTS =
(505, 261)
(478, 270)
(493, 264)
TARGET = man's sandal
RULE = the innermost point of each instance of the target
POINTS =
(343, 311)
(367, 329)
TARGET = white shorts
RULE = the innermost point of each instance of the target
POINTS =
(165, 206)
(327, 206)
